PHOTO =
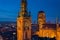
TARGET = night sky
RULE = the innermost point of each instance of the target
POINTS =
(9, 9)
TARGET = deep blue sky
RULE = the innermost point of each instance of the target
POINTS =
(9, 9)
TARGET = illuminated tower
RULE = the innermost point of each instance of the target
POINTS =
(41, 22)
(41, 19)
(24, 23)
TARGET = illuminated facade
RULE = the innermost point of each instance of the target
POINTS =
(47, 30)
(24, 23)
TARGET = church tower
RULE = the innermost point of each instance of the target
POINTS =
(41, 22)
(24, 23)
(41, 19)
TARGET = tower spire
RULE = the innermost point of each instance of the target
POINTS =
(23, 8)
(24, 23)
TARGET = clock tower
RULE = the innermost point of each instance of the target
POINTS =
(24, 23)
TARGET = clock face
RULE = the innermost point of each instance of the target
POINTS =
(26, 24)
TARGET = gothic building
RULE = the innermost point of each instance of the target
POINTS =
(46, 29)
(24, 23)
(25, 26)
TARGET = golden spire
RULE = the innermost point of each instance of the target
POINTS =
(23, 8)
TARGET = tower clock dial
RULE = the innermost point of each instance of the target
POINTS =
(26, 24)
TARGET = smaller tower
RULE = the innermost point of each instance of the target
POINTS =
(41, 19)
